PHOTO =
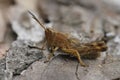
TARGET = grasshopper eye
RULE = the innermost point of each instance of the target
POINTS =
(54, 47)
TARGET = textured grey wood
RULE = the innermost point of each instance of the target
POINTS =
(67, 16)
(2, 69)
(61, 67)
(20, 56)
(65, 68)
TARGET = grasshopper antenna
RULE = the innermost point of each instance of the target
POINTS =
(37, 20)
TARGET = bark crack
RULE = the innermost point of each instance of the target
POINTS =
(46, 68)
(76, 72)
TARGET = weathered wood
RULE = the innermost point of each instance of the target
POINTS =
(83, 22)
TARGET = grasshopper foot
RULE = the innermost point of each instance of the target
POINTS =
(83, 64)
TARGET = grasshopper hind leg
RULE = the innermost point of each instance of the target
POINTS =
(76, 54)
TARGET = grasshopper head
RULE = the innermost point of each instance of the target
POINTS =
(49, 32)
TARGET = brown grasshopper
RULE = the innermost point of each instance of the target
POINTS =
(59, 41)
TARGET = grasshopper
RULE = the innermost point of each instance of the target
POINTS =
(60, 41)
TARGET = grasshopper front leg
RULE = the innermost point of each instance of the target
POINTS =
(76, 54)
(52, 53)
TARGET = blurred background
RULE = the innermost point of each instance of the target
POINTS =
(93, 18)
